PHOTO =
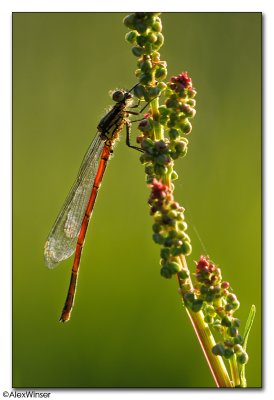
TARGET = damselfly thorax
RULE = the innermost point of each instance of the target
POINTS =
(113, 122)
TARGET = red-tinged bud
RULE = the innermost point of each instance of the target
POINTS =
(146, 115)
(181, 81)
(144, 125)
(153, 209)
(229, 343)
(175, 205)
(191, 93)
(160, 146)
(231, 298)
(203, 262)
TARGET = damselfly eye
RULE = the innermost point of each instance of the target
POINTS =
(118, 96)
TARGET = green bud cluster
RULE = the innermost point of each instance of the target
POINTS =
(179, 106)
(159, 150)
(174, 117)
(158, 155)
(169, 230)
(146, 37)
(218, 304)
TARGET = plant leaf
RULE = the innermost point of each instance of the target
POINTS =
(248, 327)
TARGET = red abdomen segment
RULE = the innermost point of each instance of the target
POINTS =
(106, 152)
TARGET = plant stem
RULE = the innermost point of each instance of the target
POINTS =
(234, 371)
(206, 340)
(158, 129)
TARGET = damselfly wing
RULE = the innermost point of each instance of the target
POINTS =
(68, 232)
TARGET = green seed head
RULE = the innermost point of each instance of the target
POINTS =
(165, 272)
(141, 40)
(174, 176)
(185, 127)
(228, 353)
(189, 297)
(161, 73)
(183, 225)
(183, 274)
(236, 322)
(191, 93)
(149, 169)
(160, 170)
(129, 21)
(165, 253)
(226, 321)
(131, 37)
(157, 26)
(236, 305)
(163, 110)
(186, 248)
(158, 238)
(242, 358)
(162, 86)
(232, 331)
(210, 310)
(154, 92)
(173, 267)
(152, 38)
(137, 51)
(141, 27)
(173, 134)
(159, 42)
(238, 340)
(146, 78)
(218, 350)
(196, 305)
(156, 227)
(208, 319)
(146, 66)
(191, 102)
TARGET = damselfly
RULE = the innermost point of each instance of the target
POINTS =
(69, 230)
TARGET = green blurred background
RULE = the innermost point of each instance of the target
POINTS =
(128, 327)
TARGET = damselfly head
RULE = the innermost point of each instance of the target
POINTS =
(121, 95)
(118, 96)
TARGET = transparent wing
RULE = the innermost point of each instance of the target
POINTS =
(62, 239)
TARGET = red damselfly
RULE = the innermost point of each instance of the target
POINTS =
(69, 230)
